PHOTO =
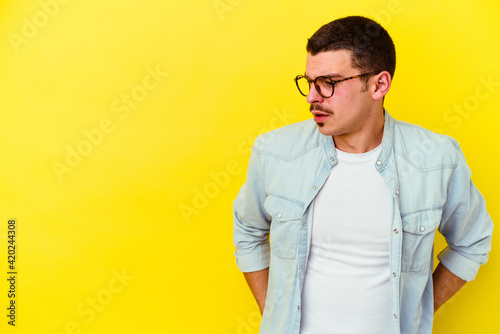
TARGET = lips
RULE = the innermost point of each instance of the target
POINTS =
(320, 116)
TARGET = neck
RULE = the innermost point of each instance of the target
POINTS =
(367, 138)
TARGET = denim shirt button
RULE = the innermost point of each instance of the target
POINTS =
(379, 163)
(395, 231)
(279, 215)
(393, 274)
(314, 187)
(422, 228)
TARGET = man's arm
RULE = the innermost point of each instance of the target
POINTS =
(251, 228)
(257, 281)
(446, 284)
(465, 224)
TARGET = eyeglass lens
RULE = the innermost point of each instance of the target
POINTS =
(323, 85)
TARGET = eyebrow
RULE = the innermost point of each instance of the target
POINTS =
(329, 75)
(333, 75)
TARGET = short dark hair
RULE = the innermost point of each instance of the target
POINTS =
(371, 47)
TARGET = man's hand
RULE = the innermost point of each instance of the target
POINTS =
(257, 281)
(446, 284)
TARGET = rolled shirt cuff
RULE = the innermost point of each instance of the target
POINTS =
(254, 261)
(458, 264)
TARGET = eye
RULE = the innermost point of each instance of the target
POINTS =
(326, 82)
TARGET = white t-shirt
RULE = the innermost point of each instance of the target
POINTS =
(346, 287)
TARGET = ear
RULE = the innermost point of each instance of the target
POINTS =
(381, 85)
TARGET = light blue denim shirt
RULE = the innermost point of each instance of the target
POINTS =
(431, 188)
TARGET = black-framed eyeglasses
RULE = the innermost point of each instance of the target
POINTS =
(324, 85)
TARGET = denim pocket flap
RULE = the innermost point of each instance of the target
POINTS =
(286, 216)
(282, 209)
(422, 222)
(418, 239)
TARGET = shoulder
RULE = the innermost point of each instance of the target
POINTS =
(425, 148)
(290, 141)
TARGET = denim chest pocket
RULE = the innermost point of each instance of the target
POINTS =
(286, 218)
(418, 239)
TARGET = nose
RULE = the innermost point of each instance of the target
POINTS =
(313, 95)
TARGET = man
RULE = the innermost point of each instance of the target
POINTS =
(334, 227)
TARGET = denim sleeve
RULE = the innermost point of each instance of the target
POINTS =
(465, 224)
(251, 222)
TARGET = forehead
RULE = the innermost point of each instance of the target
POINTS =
(331, 63)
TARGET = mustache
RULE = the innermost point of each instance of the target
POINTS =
(320, 108)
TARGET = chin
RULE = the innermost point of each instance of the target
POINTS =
(326, 131)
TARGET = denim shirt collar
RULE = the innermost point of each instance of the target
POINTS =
(387, 140)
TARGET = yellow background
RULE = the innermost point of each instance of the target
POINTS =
(230, 64)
